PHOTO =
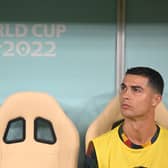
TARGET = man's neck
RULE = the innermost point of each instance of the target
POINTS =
(139, 132)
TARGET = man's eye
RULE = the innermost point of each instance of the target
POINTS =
(122, 87)
(135, 89)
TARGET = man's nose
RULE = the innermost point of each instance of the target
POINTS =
(126, 93)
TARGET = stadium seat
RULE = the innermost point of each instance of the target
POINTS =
(36, 133)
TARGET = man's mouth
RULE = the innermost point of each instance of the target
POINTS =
(125, 106)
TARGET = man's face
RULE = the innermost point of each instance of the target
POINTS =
(137, 98)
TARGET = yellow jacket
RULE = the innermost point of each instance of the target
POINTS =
(111, 152)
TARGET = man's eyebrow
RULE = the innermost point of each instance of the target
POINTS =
(136, 87)
(132, 86)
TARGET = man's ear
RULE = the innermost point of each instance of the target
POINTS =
(156, 100)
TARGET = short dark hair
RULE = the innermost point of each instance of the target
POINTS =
(154, 77)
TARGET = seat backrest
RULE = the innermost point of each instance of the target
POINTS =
(104, 121)
(111, 114)
(161, 115)
(35, 132)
